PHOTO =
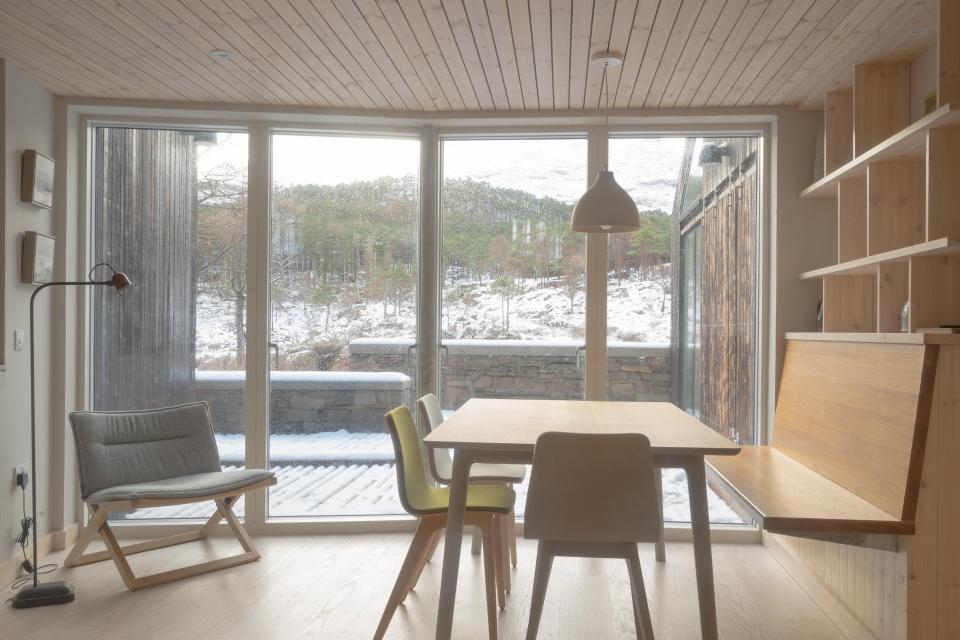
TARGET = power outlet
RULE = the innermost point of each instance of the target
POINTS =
(21, 476)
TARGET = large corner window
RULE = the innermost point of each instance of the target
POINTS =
(341, 262)
(169, 208)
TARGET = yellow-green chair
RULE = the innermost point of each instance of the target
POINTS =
(486, 505)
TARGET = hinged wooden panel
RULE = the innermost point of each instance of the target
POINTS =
(895, 205)
(857, 413)
(881, 102)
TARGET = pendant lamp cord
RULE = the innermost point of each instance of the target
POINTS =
(605, 88)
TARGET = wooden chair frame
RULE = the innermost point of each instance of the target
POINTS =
(496, 559)
(99, 525)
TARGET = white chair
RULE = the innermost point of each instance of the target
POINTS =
(441, 469)
(592, 496)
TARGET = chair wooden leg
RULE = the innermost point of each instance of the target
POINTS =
(641, 610)
(661, 552)
(488, 531)
(513, 539)
(225, 506)
(92, 530)
(415, 553)
(498, 551)
(475, 544)
(541, 579)
(504, 522)
(427, 554)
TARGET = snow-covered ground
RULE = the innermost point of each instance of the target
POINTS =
(349, 474)
(638, 310)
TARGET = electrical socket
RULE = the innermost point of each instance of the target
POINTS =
(21, 476)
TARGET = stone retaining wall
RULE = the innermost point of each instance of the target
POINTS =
(383, 371)
(308, 401)
(524, 368)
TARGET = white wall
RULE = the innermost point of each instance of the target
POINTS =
(803, 236)
(28, 124)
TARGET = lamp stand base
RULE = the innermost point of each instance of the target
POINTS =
(43, 595)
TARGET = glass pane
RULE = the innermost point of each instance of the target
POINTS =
(170, 209)
(512, 313)
(343, 314)
(672, 179)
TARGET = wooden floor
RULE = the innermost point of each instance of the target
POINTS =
(335, 586)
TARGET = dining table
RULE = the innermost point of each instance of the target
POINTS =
(494, 430)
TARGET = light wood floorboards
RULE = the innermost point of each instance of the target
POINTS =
(335, 587)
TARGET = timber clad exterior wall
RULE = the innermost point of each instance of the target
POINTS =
(144, 190)
(728, 331)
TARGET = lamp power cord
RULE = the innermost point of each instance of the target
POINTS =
(23, 541)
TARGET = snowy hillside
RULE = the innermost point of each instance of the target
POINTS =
(638, 311)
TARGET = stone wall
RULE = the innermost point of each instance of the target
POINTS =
(383, 371)
(308, 401)
(524, 368)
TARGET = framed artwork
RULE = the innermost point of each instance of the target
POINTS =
(36, 266)
(36, 179)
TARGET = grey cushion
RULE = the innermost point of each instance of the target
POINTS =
(133, 447)
(193, 486)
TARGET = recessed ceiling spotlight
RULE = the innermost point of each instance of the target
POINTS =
(918, 31)
(223, 54)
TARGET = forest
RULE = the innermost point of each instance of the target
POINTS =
(338, 246)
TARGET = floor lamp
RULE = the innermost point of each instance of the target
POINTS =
(36, 594)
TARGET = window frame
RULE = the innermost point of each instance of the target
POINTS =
(77, 116)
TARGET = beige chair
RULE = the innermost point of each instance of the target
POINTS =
(486, 507)
(592, 496)
(441, 470)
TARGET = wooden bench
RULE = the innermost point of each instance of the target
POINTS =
(847, 450)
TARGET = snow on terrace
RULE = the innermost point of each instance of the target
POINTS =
(353, 474)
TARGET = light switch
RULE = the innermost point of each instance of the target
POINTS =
(18, 340)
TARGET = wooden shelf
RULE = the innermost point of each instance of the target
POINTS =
(890, 338)
(867, 265)
(910, 143)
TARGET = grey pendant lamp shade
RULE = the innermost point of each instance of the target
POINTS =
(605, 208)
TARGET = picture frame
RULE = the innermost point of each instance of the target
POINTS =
(36, 266)
(36, 179)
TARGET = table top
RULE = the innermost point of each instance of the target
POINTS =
(514, 425)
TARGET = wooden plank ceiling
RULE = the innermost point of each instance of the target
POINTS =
(458, 55)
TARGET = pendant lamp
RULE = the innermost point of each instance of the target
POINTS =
(605, 207)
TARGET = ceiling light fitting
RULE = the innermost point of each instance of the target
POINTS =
(605, 207)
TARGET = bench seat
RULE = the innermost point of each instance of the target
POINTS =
(787, 497)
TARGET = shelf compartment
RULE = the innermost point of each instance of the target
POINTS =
(934, 291)
(849, 303)
(852, 219)
(867, 265)
(893, 291)
(943, 183)
(908, 144)
(895, 205)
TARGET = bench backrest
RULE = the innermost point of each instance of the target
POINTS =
(857, 413)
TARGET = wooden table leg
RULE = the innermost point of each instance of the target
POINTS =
(703, 557)
(462, 460)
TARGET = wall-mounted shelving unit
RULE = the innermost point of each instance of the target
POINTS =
(897, 187)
